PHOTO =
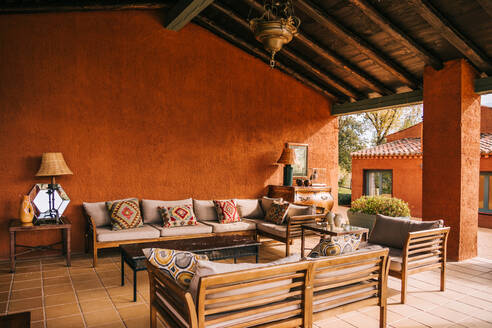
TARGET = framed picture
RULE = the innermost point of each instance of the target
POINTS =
(300, 159)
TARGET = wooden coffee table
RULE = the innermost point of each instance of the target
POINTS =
(226, 247)
(327, 230)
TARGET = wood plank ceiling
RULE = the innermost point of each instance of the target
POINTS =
(348, 50)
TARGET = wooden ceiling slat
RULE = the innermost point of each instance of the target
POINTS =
(212, 26)
(329, 55)
(183, 12)
(486, 5)
(450, 33)
(358, 42)
(309, 67)
(389, 27)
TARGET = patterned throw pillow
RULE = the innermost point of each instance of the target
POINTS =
(277, 213)
(227, 211)
(336, 245)
(178, 265)
(177, 216)
(125, 214)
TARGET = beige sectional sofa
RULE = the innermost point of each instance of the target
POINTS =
(252, 212)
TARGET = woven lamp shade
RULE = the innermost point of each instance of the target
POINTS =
(53, 164)
(287, 156)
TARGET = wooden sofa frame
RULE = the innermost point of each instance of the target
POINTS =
(91, 238)
(365, 284)
(293, 231)
(423, 251)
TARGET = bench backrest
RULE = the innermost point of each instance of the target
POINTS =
(288, 295)
(425, 249)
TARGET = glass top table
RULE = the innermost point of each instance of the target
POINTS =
(325, 229)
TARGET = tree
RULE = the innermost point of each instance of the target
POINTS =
(350, 139)
(383, 122)
(388, 121)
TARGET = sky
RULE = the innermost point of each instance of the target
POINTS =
(487, 100)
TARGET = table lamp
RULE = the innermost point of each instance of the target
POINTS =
(52, 165)
(287, 158)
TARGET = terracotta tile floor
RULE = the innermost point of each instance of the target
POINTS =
(81, 296)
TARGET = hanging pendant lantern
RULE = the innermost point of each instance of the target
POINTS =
(276, 26)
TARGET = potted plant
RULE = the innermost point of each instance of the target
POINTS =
(363, 210)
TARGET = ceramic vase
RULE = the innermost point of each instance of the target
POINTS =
(26, 211)
(338, 220)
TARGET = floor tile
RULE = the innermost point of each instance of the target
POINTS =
(26, 293)
(63, 310)
(74, 321)
(25, 304)
(65, 298)
(57, 289)
(94, 305)
(101, 317)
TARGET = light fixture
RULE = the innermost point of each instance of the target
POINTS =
(52, 164)
(276, 26)
(288, 159)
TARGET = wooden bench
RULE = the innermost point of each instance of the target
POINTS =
(285, 295)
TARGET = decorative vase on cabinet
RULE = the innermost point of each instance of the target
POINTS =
(26, 211)
(319, 196)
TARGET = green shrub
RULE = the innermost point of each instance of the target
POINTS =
(380, 205)
(344, 199)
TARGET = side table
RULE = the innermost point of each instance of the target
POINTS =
(16, 226)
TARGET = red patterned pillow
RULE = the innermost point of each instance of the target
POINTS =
(227, 211)
(125, 214)
(177, 216)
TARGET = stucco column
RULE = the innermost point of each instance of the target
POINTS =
(451, 163)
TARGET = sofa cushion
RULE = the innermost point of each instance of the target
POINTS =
(393, 232)
(150, 212)
(207, 268)
(204, 210)
(272, 228)
(199, 228)
(235, 226)
(297, 210)
(336, 245)
(227, 211)
(178, 265)
(177, 216)
(99, 212)
(125, 214)
(105, 234)
(277, 213)
(266, 203)
(250, 208)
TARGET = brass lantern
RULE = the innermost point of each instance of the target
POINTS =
(276, 26)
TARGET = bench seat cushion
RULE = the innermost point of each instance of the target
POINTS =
(185, 230)
(274, 229)
(105, 234)
(226, 227)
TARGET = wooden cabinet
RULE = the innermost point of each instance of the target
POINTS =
(319, 196)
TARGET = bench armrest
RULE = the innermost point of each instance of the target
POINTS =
(426, 247)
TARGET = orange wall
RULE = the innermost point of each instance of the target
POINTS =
(486, 119)
(141, 111)
(407, 179)
(411, 132)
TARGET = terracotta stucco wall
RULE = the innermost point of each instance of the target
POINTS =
(411, 132)
(485, 119)
(141, 111)
(407, 179)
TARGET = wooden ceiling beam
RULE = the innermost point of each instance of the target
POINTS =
(16, 8)
(441, 24)
(358, 42)
(334, 58)
(305, 64)
(183, 12)
(212, 26)
(389, 27)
